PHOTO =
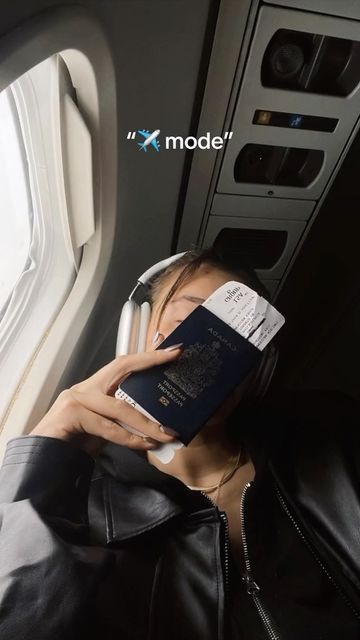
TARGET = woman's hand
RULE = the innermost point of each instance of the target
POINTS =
(90, 416)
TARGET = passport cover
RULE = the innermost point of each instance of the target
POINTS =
(184, 394)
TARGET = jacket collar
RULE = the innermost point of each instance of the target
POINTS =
(137, 497)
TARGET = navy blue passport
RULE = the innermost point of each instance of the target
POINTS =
(184, 394)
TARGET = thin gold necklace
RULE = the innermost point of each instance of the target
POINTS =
(226, 476)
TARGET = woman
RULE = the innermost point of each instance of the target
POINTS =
(249, 532)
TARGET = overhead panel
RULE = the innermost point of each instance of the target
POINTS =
(293, 112)
(297, 105)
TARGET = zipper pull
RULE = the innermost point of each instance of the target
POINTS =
(251, 587)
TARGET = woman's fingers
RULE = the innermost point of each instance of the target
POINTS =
(107, 378)
(121, 412)
(101, 427)
(70, 419)
(88, 409)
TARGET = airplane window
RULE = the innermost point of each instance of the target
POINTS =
(38, 259)
(15, 205)
(58, 205)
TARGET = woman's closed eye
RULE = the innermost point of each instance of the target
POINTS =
(177, 311)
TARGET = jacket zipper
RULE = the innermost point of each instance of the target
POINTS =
(252, 587)
(226, 541)
(226, 550)
(313, 551)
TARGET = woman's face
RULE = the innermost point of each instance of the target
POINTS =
(192, 293)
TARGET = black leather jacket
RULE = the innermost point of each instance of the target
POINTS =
(150, 559)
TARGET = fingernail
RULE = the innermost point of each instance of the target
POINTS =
(174, 346)
(152, 445)
(168, 431)
(156, 337)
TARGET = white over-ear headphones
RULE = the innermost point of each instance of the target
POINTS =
(135, 315)
(134, 322)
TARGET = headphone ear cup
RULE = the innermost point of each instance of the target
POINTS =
(133, 326)
(128, 331)
(263, 375)
(144, 319)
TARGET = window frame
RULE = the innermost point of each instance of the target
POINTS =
(79, 38)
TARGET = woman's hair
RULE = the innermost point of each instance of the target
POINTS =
(191, 261)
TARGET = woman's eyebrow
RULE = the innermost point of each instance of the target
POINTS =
(189, 299)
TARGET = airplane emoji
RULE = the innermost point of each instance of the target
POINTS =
(150, 138)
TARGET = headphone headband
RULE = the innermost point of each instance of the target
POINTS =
(152, 271)
(135, 317)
